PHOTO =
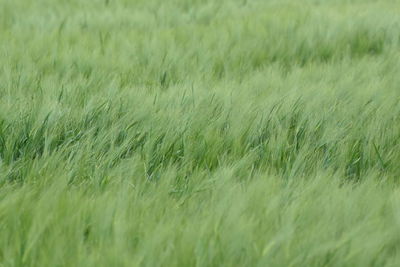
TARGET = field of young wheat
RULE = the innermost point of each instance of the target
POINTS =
(200, 133)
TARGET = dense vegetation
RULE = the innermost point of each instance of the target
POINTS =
(199, 133)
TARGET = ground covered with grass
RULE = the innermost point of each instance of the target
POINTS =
(199, 133)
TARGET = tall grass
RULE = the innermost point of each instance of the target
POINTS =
(199, 133)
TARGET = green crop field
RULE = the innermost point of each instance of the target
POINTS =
(200, 133)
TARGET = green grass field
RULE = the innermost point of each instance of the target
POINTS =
(200, 133)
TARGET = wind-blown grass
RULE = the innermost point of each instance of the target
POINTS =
(199, 133)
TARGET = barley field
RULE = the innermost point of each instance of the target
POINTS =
(200, 133)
